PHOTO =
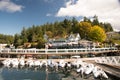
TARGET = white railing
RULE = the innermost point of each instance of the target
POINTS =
(49, 51)
(113, 60)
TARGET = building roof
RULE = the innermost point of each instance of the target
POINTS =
(74, 37)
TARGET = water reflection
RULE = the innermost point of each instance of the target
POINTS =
(50, 70)
(40, 74)
(26, 74)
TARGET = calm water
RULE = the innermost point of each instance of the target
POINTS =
(26, 74)
(36, 74)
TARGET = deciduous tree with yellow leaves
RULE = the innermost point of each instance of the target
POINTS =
(97, 34)
(84, 29)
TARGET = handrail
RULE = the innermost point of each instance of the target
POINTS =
(75, 50)
(113, 60)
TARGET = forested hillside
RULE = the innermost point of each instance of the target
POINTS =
(90, 30)
(62, 29)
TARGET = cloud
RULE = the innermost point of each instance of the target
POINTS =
(48, 14)
(106, 10)
(9, 6)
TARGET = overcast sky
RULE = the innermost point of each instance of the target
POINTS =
(16, 14)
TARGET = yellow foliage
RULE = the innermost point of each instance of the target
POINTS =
(97, 34)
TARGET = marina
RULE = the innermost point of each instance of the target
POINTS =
(59, 69)
(59, 40)
(49, 70)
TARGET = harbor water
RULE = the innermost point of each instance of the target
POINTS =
(14, 69)
(26, 74)
(39, 74)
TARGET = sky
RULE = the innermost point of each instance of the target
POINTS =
(16, 14)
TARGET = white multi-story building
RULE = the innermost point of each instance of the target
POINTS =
(71, 40)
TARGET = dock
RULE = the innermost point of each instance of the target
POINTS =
(112, 70)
